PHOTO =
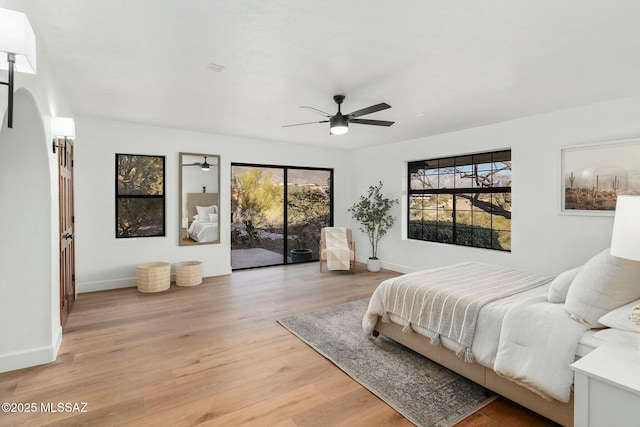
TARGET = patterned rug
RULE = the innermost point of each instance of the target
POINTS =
(424, 392)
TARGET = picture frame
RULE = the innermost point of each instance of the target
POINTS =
(140, 196)
(593, 175)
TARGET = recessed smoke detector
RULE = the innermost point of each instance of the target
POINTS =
(215, 67)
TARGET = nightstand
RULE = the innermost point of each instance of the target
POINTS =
(607, 387)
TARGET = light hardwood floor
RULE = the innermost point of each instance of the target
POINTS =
(211, 355)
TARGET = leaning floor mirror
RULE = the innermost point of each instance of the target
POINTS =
(199, 199)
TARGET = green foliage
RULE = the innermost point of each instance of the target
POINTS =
(254, 196)
(140, 175)
(309, 211)
(372, 212)
(140, 204)
(468, 235)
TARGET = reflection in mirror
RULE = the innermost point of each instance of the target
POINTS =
(199, 199)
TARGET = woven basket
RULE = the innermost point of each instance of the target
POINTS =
(154, 276)
(188, 273)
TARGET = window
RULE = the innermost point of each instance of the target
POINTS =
(139, 196)
(462, 200)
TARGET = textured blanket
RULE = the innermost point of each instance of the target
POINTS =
(446, 301)
(338, 253)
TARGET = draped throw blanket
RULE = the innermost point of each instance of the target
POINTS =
(337, 249)
(446, 301)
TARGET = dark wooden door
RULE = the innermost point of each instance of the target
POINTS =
(67, 229)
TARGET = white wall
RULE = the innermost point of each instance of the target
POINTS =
(104, 262)
(543, 240)
(27, 311)
(31, 339)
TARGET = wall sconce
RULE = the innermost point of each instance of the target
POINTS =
(18, 41)
(63, 127)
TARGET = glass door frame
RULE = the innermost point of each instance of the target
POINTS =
(285, 169)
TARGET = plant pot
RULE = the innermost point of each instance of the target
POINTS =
(300, 255)
(374, 265)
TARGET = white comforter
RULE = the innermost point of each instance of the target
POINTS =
(537, 344)
(203, 231)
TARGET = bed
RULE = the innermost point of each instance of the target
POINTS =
(204, 230)
(514, 332)
(202, 214)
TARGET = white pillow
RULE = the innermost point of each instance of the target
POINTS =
(619, 318)
(559, 287)
(204, 211)
(622, 337)
(603, 284)
(213, 217)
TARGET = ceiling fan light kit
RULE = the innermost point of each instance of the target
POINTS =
(205, 166)
(339, 123)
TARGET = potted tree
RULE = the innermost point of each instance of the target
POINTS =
(301, 252)
(372, 212)
(308, 213)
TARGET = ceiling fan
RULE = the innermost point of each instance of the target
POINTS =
(339, 123)
(204, 165)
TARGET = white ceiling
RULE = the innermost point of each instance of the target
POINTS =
(461, 63)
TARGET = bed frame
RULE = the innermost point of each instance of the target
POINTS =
(561, 413)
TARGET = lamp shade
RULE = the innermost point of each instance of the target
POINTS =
(625, 240)
(17, 37)
(64, 127)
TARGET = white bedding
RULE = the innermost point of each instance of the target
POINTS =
(203, 231)
(446, 301)
(487, 337)
(488, 327)
(537, 344)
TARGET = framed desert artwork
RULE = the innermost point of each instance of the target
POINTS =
(594, 175)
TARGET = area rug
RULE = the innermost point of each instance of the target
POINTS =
(424, 392)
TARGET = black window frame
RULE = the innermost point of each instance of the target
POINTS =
(286, 169)
(120, 198)
(453, 168)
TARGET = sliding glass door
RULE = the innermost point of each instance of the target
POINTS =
(270, 203)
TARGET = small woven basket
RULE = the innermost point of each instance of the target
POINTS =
(189, 273)
(154, 276)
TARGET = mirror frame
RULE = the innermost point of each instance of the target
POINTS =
(214, 160)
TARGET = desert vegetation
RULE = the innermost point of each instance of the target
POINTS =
(258, 211)
(601, 195)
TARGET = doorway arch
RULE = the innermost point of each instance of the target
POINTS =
(27, 292)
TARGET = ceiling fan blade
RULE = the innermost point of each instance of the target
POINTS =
(371, 122)
(315, 110)
(369, 110)
(307, 123)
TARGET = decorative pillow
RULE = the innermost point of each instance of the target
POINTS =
(603, 284)
(619, 318)
(559, 287)
(204, 211)
(213, 217)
